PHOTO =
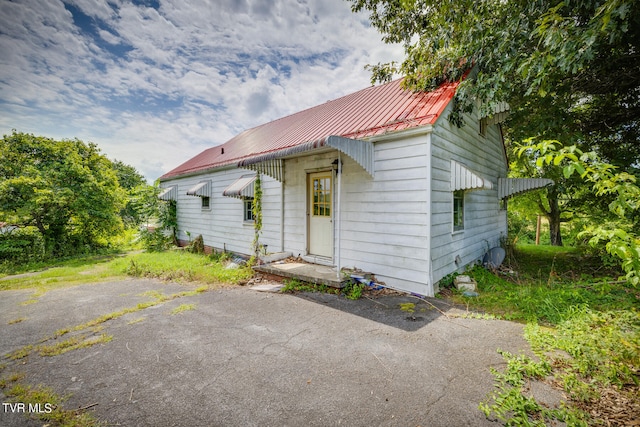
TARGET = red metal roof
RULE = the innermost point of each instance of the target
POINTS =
(369, 112)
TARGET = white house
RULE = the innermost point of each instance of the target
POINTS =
(378, 180)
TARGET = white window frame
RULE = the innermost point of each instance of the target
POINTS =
(247, 210)
(205, 203)
(457, 210)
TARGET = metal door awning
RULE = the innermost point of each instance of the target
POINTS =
(242, 188)
(508, 187)
(360, 151)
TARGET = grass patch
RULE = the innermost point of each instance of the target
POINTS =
(182, 308)
(584, 328)
(67, 273)
(542, 264)
(159, 298)
(137, 320)
(49, 407)
(548, 286)
(18, 320)
(184, 266)
(293, 285)
(72, 343)
(178, 266)
(20, 353)
(594, 357)
(96, 325)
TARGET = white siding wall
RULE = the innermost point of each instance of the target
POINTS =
(222, 225)
(384, 220)
(295, 197)
(484, 222)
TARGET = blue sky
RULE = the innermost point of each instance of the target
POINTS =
(154, 82)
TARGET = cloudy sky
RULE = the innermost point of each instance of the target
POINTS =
(154, 82)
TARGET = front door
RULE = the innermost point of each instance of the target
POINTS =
(320, 214)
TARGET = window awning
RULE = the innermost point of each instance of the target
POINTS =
(508, 187)
(242, 188)
(498, 114)
(463, 179)
(201, 189)
(359, 150)
(169, 193)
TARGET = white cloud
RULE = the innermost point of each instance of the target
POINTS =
(155, 87)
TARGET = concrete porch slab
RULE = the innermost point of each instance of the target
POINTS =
(311, 273)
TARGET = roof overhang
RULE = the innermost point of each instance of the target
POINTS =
(201, 189)
(359, 150)
(242, 188)
(464, 179)
(508, 187)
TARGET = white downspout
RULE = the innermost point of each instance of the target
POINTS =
(429, 214)
(338, 212)
(282, 214)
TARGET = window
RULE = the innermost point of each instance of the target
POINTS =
(205, 202)
(248, 210)
(458, 210)
(322, 196)
(483, 127)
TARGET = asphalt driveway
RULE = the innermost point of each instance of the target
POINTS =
(238, 357)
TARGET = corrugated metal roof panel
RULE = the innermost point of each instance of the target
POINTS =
(372, 111)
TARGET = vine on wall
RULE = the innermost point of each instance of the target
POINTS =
(257, 217)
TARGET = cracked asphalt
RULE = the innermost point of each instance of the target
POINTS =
(247, 358)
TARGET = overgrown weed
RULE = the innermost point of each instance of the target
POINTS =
(352, 290)
(185, 266)
(585, 332)
(295, 285)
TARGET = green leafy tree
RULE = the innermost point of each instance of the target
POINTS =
(542, 54)
(569, 70)
(66, 189)
(606, 180)
(141, 202)
(569, 199)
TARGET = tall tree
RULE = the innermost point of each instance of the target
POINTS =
(570, 70)
(66, 189)
(141, 201)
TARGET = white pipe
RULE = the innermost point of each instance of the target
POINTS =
(282, 212)
(338, 211)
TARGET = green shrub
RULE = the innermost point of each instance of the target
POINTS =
(21, 245)
(197, 246)
(353, 290)
(154, 240)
